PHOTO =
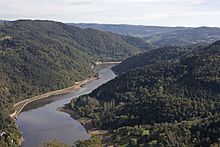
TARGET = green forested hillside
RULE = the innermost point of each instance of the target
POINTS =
(139, 43)
(169, 103)
(103, 45)
(39, 56)
(93, 42)
(151, 57)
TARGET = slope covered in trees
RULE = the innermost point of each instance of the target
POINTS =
(169, 103)
(151, 57)
(94, 42)
(40, 56)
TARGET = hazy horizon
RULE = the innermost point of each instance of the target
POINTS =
(108, 23)
(187, 13)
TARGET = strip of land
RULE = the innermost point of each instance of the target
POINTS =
(18, 107)
(100, 63)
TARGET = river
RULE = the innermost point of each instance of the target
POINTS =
(40, 121)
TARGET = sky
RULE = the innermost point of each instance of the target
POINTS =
(192, 13)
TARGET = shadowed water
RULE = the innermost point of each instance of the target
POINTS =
(41, 121)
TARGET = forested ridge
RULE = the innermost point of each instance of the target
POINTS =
(132, 30)
(151, 57)
(162, 36)
(40, 56)
(169, 98)
(172, 101)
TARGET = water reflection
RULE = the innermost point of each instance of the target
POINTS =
(41, 121)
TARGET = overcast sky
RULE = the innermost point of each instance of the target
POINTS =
(145, 12)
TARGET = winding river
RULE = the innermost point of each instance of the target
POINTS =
(40, 121)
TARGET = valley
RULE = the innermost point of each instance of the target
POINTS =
(137, 88)
(170, 98)
(40, 120)
(118, 73)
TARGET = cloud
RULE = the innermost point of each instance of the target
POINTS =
(197, 2)
(147, 12)
(80, 3)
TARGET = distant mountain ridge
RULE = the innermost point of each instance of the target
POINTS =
(133, 30)
(1, 21)
(162, 36)
(186, 37)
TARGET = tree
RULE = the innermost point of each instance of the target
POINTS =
(54, 143)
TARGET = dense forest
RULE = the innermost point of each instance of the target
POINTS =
(169, 98)
(40, 56)
(162, 36)
(94, 141)
(172, 101)
(151, 57)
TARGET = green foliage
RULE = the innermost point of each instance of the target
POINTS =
(152, 57)
(54, 143)
(92, 142)
(139, 43)
(10, 136)
(187, 133)
(41, 56)
(174, 98)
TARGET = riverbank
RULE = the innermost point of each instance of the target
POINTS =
(103, 74)
(101, 63)
(19, 106)
(105, 135)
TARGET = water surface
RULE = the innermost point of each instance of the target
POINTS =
(40, 120)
